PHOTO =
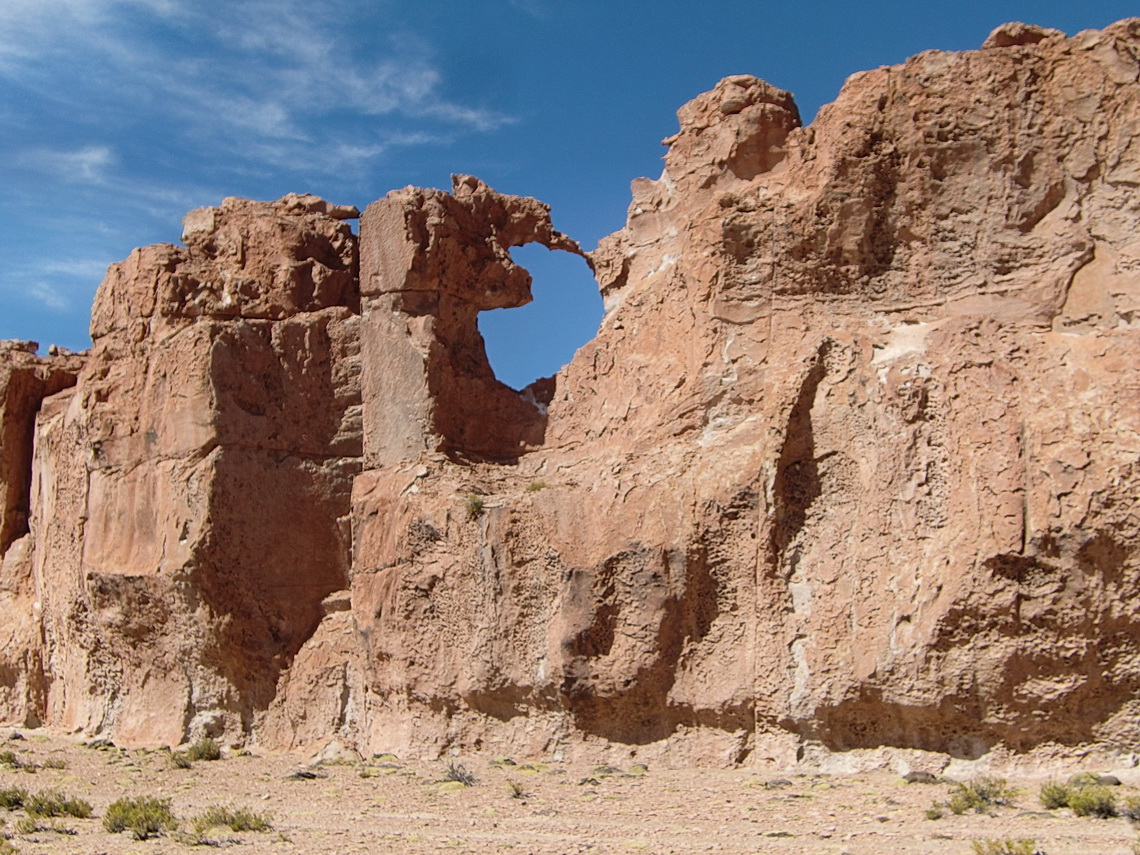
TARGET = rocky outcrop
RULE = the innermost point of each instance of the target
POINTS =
(852, 460)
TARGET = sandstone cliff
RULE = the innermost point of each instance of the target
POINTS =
(852, 461)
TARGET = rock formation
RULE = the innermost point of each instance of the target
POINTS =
(852, 461)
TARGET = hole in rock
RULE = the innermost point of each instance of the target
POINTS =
(538, 339)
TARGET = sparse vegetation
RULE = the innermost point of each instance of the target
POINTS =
(981, 794)
(1005, 846)
(1093, 800)
(474, 506)
(204, 749)
(55, 803)
(516, 790)
(1054, 795)
(535, 486)
(179, 760)
(26, 825)
(1084, 779)
(13, 798)
(458, 773)
(935, 812)
(8, 759)
(6, 848)
(241, 819)
(144, 817)
(55, 763)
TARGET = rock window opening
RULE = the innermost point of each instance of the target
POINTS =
(538, 339)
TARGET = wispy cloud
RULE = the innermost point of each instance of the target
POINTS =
(49, 296)
(249, 72)
(87, 165)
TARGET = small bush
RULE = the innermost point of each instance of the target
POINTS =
(179, 760)
(1093, 800)
(474, 506)
(9, 760)
(457, 772)
(54, 803)
(55, 763)
(1006, 846)
(1055, 795)
(1084, 779)
(516, 790)
(535, 486)
(144, 817)
(935, 812)
(981, 794)
(13, 798)
(242, 819)
(204, 749)
(26, 825)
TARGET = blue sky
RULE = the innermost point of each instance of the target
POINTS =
(121, 115)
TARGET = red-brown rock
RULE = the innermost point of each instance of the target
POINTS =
(852, 462)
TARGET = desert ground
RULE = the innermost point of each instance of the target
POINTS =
(386, 804)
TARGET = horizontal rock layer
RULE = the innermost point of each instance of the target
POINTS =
(852, 461)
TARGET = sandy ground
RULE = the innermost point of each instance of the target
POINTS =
(389, 805)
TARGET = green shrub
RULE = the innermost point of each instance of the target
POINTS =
(13, 798)
(1055, 795)
(935, 812)
(242, 819)
(144, 817)
(179, 760)
(204, 749)
(1093, 800)
(1084, 779)
(1006, 846)
(55, 803)
(474, 506)
(981, 794)
(9, 760)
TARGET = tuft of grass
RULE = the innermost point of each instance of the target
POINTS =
(935, 812)
(1005, 846)
(179, 760)
(535, 486)
(458, 773)
(1054, 795)
(13, 798)
(6, 848)
(144, 817)
(204, 749)
(9, 760)
(55, 763)
(55, 803)
(980, 794)
(1093, 800)
(516, 790)
(474, 506)
(241, 819)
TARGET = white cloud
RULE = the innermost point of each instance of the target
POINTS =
(88, 165)
(240, 71)
(49, 296)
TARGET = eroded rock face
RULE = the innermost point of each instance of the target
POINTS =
(851, 463)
